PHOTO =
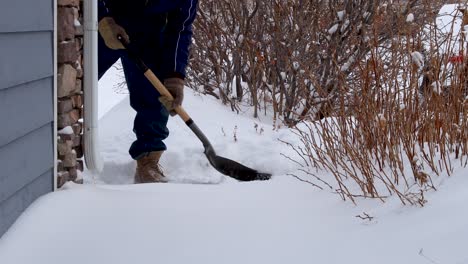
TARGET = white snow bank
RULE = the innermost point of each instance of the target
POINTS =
(281, 221)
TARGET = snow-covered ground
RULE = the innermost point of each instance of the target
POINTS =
(220, 220)
(204, 217)
(280, 221)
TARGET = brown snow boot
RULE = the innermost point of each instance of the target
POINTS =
(148, 169)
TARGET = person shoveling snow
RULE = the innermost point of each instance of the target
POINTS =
(144, 34)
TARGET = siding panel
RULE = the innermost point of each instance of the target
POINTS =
(11, 208)
(26, 105)
(23, 160)
(25, 57)
(25, 108)
(26, 15)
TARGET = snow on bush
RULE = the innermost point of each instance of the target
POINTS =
(417, 58)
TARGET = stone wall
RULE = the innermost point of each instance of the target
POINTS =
(69, 90)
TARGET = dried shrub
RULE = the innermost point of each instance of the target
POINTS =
(403, 122)
(368, 86)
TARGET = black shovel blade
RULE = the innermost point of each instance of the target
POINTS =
(226, 166)
(236, 170)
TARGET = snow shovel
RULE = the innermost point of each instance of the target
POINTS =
(225, 166)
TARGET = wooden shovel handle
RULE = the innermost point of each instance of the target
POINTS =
(154, 79)
(164, 92)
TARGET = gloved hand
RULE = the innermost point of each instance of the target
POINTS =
(176, 88)
(109, 31)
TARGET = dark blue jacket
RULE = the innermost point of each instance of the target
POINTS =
(179, 16)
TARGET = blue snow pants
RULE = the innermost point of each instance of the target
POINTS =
(151, 116)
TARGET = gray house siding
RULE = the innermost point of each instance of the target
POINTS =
(26, 105)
